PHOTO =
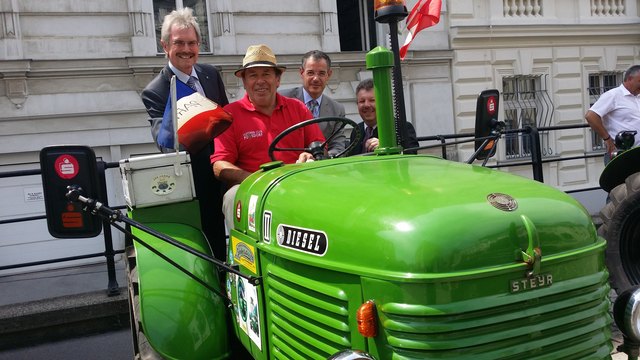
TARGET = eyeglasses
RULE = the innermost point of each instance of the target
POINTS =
(320, 74)
(180, 43)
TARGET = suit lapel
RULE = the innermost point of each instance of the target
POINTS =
(298, 94)
(204, 81)
(324, 107)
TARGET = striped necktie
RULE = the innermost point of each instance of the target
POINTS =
(368, 133)
(313, 107)
(192, 83)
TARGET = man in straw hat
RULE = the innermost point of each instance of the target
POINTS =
(260, 116)
(180, 39)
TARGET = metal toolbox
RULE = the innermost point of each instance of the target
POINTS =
(157, 179)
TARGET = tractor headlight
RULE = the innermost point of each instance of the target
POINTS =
(626, 313)
(350, 354)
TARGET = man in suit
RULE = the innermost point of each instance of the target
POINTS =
(369, 125)
(180, 38)
(315, 73)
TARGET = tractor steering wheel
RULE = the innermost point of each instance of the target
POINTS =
(317, 148)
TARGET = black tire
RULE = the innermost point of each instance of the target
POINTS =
(621, 229)
(141, 347)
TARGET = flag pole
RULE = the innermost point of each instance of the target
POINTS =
(174, 119)
(392, 14)
(174, 111)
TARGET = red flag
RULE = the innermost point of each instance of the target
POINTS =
(424, 14)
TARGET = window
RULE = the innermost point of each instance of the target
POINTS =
(526, 103)
(356, 25)
(599, 83)
(164, 7)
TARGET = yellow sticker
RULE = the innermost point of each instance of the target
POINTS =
(244, 254)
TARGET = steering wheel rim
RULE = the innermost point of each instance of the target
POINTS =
(344, 121)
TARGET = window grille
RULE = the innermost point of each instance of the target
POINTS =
(599, 83)
(161, 8)
(526, 103)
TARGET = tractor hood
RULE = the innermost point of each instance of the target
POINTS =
(414, 214)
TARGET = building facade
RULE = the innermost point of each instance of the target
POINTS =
(71, 72)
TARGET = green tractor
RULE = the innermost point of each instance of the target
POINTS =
(389, 256)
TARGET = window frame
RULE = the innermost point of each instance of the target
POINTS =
(205, 27)
(368, 27)
(522, 99)
(599, 82)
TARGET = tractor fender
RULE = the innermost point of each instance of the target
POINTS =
(179, 317)
(620, 168)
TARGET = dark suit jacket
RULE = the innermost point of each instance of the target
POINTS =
(208, 188)
(155, 94)
(328, 107)
(411, 143)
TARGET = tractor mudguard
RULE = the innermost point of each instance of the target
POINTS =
(620, 168)
(180, 318)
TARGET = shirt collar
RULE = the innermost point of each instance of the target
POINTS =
(182, 76)
(626, 92)
(307, 97)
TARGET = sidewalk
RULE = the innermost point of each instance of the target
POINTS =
(60, 303)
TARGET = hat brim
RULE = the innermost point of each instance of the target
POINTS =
(239, 72)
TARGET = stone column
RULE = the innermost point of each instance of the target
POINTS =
(143, 35)
(223, 40)
(329, 36)
(10, 34)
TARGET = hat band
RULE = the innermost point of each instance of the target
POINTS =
(254, 63)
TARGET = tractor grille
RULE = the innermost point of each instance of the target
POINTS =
(308, 319)
(561, 325)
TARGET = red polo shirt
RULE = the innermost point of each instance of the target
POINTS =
(246, 142)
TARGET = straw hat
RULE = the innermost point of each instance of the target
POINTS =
(258, 56)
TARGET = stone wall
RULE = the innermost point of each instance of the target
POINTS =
(563, 41)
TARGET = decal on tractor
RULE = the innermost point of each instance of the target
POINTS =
(253, 200)
(305, 240)
(238, 211)
(244, 254)
(249, 311)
